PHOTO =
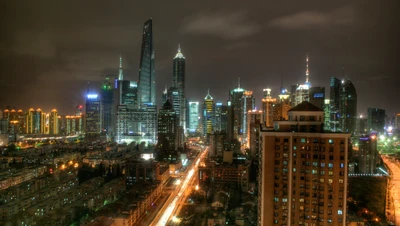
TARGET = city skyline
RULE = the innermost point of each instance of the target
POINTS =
(58, 66)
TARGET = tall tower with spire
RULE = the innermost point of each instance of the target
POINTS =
(307, 71)
(120, 71)
(208, 114)
(178, 82)
(302, 91)
(147, 73)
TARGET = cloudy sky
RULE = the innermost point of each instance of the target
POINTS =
(49, 50)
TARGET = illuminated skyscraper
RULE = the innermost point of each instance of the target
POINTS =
(248, 103)
(107, 106)
(35, 121)
(268, 109)
(302, 91)
(236, 111)
(174, 97)
(327, 115)
(221, 117)
(178, 81)
(193, 116)
(147, 73)
(208, 114)
(93, 114)
(348, 107)
(53, 122)
(303, 171)
(254, 120)
(282, 106)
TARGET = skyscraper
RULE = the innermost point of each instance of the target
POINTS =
(208, 114)
(303, 172)
(93, 114)
(147, 73)
(367, 154)
(193, 116)
(334, 104)
(178, 81)
(282, 106)
(376, 120)
(302, 91)
(248, 103)
(34, 121)
(107, 106)
(254, 120)
(221, 117)
(236, 118)
(268, 105)
(167, 127)
(348, 107)
(53, 122)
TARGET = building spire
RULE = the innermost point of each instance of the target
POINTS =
(179, 53)
(307, 71)
(239, 82)
(120, 71)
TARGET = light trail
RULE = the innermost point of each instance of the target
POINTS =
(167, 214)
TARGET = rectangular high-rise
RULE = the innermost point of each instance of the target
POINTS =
(334, 103)
(303, 171)
(193, 116)
(147, 73)
(376, 119)
(178, 81)
(93, 114)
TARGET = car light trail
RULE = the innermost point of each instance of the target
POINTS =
(167, 214)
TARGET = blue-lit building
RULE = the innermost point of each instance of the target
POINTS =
(93, 114)
(317, 96)
(147, 73)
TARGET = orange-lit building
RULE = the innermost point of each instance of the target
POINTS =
(303, 171)
(268, 108)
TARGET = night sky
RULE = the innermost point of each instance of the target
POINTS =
(49, 50)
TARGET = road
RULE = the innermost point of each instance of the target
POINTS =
(174, 202)
(393, 189)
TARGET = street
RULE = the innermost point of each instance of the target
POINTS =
(177, 198)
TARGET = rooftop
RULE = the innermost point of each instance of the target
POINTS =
(306, 106)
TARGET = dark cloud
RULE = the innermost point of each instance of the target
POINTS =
(345, 16)
(227, 25)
